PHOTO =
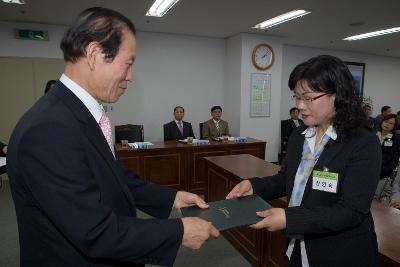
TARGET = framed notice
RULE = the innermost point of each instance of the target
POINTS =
(357, 71)
(260, 98)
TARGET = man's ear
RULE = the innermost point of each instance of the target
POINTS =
(93, 54)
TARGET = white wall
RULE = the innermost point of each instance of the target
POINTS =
(172, 70)
(263, 128)
(232, 84)
(198, 72)
(11, 47)
(381, 83)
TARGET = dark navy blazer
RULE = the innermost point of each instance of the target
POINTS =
(171, 131)
(75, 204)
(338, 228)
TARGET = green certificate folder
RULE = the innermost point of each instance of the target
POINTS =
(230, 213)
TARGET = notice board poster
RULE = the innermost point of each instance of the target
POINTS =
(260, 98)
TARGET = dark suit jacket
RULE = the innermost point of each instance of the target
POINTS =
(75, 204)
(210, 131)
(378, 120)
(338, 229)
(171, 131)
(290, 126)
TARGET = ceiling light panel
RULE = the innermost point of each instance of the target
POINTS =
(20, 2)
(371, 34)
(282, 18)
(160, 7)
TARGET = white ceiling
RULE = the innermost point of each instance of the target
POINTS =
(329, 22)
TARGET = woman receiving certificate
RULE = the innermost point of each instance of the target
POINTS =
(329, 175)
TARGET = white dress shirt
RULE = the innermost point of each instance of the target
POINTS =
(95, 108)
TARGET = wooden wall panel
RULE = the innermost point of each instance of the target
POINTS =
(165, 170)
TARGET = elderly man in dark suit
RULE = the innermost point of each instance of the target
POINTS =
(215, 127)
(75, 203)
(178, 129)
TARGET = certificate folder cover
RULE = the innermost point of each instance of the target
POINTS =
(230, 213)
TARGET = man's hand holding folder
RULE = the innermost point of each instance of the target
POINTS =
(195, 230)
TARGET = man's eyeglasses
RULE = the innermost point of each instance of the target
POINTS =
(306, 99)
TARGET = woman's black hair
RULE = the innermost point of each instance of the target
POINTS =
(96, 24)
(330, 75)
(386, 118)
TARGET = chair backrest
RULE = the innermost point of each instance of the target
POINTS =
(284, 135)
(201, 130)
(285, 129)
(395, 171)
(130, 132)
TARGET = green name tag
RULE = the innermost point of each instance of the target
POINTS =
(326, 175)
(325, 181)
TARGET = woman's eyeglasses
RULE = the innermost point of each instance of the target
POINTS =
(306, 99)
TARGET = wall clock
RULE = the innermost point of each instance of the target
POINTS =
(263, 56)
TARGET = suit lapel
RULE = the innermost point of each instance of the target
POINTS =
(330, 151)
(186, 129)
(295, 162)
(96, 137)
(93, 133)
(292, 124)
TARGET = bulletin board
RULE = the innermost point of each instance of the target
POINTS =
(260, 98)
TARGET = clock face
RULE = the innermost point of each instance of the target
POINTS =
(263, 56)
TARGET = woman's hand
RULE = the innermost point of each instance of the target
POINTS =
(240, 190)
(274, 220)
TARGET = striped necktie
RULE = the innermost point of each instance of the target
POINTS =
(218, 128)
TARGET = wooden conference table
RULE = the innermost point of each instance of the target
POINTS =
(264, 248)
(178, 165)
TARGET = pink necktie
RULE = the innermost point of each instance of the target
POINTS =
(105, 126)
(180, 127)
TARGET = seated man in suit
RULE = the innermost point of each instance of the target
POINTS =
(368, 112)
(178, 129)
(215, 127)
(293, 122)
(385, 110)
